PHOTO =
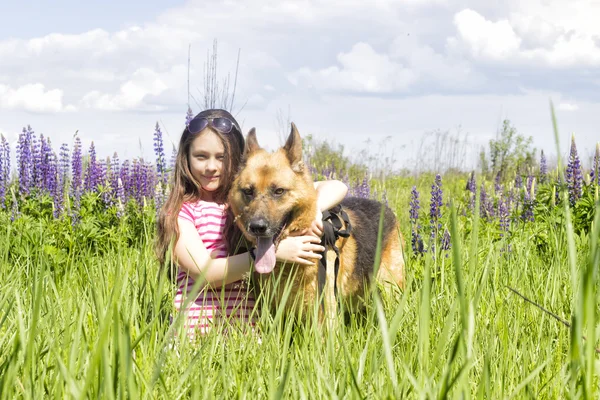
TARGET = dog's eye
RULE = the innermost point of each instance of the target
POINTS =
(248, 191)
(279, 191)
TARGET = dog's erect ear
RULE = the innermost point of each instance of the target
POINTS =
(251, 143)
(293, 149)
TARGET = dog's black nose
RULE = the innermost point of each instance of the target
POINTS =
(258, 226)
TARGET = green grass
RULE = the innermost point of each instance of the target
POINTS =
(100, 328)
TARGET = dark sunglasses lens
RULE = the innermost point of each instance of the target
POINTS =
(222, 124)
(198, 124)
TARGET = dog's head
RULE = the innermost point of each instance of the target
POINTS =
(272, 195)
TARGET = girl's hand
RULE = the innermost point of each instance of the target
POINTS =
(299, 249)
(316, 228)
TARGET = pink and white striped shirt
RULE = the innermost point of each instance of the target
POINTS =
(229, 304)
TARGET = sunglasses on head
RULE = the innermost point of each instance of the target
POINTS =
(221, 124)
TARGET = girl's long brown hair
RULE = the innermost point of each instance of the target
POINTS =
(185, 188)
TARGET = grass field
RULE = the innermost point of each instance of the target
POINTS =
(84, 314)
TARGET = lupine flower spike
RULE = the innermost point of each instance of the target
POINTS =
(574, 174)
(435, 210)
(159, 151)
(543, 169)
(416, 240)
(595, 174)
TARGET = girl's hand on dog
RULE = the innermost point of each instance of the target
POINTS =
(299, 249)
(316, 228)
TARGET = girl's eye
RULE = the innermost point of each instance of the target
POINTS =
(220, 158)
(201, 157)
(279, 191)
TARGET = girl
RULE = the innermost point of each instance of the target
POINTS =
(196, 218)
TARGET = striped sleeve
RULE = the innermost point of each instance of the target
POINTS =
(187, 212)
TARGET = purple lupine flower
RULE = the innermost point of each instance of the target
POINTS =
(136, 182)
(125, 176)
(483, 200)
(77, 179)
(102, 172)
(40, 164)
(52, 184)
(435, 209)
(503, 215)
(77, 167)
(446, 242)
(24, 160)
(143, 181)
(103, 182)
(363, 190)
(415, 206)
(92, 174)
(115, 173)
(595, 174)
(37, 162)
(497, 184)
(529, 200)
(63, 165)
(159, 151)
(472, 188)
(63, 173)
(518, 181)
(50, 170)
(46, 156)
(120, 198)
(189, 115)
(15, 213)
(543, 169)
(173, 160)
(416, 240)
(4, 170)
(47, 175)
(574, 174)
(150, 180)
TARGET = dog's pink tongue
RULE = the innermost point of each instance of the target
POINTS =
(265, 255)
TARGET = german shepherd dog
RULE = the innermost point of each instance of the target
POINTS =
(273, 196)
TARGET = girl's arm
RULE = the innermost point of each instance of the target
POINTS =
(192, 256)
(330, 193)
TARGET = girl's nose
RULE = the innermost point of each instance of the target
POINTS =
(211, 164)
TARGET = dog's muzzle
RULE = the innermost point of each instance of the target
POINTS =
(258, 227)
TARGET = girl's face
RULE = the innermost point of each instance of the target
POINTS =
(205, 158)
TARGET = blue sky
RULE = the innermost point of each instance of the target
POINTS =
(383, 76)
(30, 19)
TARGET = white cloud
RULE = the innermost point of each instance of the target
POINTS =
(361, 70)
(524, 39)
(568, 107)
(486, 39)
(33, 97)
(131, 94)
(436, 69)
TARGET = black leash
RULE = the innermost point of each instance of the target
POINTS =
(332, 231)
